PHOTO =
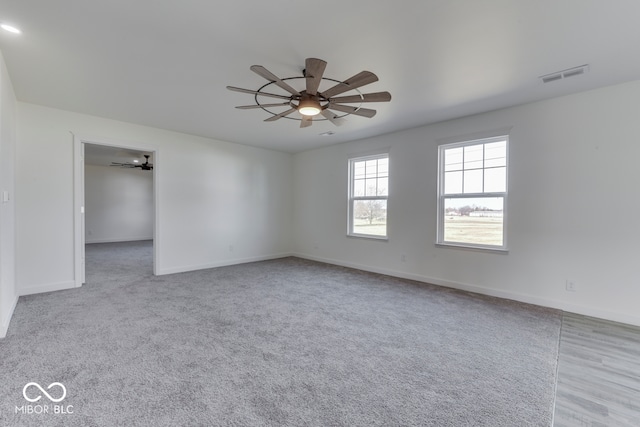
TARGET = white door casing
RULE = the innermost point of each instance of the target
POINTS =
(78, 201)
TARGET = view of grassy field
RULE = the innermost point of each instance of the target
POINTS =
(377, 228)
(462, 229)
(476, 230)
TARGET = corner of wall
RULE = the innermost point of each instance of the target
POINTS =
(8, 297)
(6, 320)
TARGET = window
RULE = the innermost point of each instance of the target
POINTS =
(368, 193)
(472, 193)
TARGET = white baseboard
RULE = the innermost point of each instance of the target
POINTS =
(49, 287)
(126, 239)
(184, 269)
(4, 322)
(529, 299)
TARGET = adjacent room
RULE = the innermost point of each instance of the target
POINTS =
(363, 213)
(118, 201)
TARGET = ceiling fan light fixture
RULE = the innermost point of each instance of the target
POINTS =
(309, 107)
(310, 102)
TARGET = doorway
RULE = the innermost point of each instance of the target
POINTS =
(115, 192)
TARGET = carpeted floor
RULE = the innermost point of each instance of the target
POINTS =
(287, 342)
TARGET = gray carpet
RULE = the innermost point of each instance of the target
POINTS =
(287, 342)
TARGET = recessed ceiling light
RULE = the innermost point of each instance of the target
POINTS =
(10, 28)
(136, 161)
(328, 133)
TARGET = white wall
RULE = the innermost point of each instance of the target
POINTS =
(573, 206)
(219, 203)
(118, 204)
(8, 296)
(573, 202)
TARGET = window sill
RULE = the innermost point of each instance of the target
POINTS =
(500, 251)
(369, 237)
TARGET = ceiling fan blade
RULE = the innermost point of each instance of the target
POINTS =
(365, 97)
(248, 107)
(360, 79)
(314, 68)
(255, 92)
(332, 117)
(365, 112)
(306, 121)
(279, 116)
(263, 72)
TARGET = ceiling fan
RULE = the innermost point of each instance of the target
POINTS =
(312, 101)
(146, 166)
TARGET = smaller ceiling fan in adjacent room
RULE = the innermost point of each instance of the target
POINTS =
(146, 166)
(314, 99)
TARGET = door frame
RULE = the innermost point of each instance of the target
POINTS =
(78, 200)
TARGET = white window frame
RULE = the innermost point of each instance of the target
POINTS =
(352, 199)
(442, 196)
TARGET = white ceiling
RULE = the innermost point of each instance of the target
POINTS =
(166, 64)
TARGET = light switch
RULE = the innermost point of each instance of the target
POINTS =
(5, 196)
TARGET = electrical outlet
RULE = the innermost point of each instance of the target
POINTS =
(230, 248)
(403, 258)
(571, 286)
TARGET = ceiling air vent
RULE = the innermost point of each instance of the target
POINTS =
(565, 74)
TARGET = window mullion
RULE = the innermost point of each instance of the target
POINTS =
(370, 198)
(483, 153)
(463, 169)
(473, 195)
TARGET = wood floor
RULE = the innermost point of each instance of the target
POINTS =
(598, 373)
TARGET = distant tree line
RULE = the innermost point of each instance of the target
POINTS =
(466, 210)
